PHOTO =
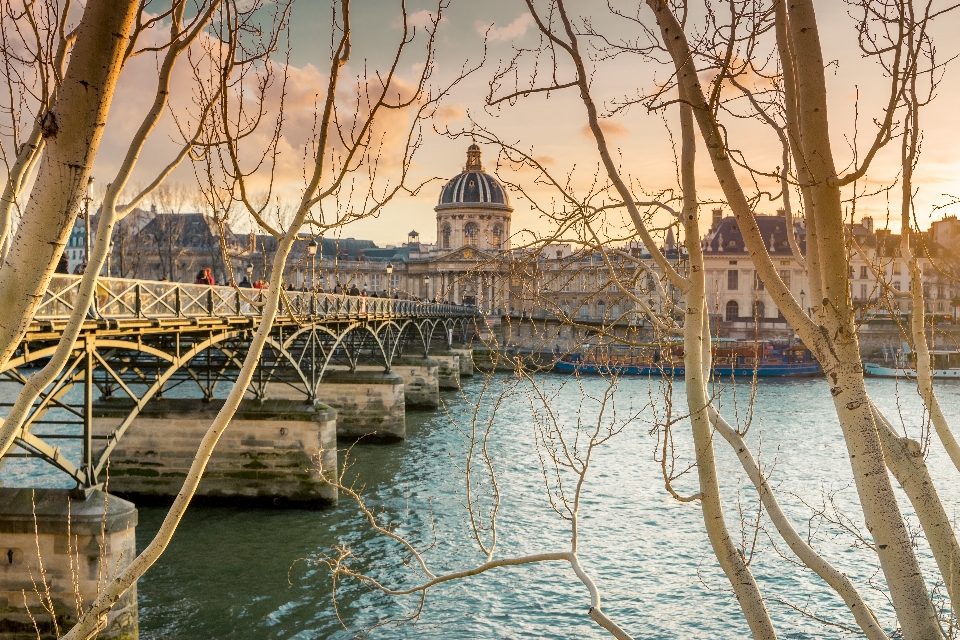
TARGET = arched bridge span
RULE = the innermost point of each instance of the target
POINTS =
(149, 340)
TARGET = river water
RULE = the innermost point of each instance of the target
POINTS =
(253, 574)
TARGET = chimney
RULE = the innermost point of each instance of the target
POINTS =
(717, 216)
(253, 241)
(867, 223)
(782, 213)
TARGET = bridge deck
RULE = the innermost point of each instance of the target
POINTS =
(122, 299)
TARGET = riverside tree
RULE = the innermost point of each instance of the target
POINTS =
(760, 62)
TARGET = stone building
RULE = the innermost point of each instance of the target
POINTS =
(740, 305)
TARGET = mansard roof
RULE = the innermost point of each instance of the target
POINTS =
(726, 238)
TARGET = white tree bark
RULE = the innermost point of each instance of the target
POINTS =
(835, 341)
(72, 130)
(111, 213)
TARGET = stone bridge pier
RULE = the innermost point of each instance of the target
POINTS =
(370, 403)
(81, 542)
(275, 452)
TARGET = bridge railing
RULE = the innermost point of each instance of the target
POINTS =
(126, 298)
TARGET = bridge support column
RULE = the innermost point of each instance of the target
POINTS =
(81, 543)
(467, 368)
(421, 387)
(369, 404)
(448, 372)
(278, 452)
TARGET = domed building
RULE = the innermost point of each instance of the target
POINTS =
(473, 210)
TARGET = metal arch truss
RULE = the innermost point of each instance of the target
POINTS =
(193, 344)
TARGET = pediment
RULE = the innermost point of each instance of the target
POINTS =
(464, 254)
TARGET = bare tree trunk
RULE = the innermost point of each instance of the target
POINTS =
(72, 131)
(696, 361)
(905, 461)
(835, 340)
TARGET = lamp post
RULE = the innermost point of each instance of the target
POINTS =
(389, 279)
(312, 252)
(426, 284)
(802, 306)
(86, 222)
(250, 273)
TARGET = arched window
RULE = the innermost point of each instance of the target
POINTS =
(471, 234)
(497, 236)
(758, 309)
(733, 311)
(445, 237)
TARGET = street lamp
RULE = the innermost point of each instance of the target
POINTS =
(312, 252)
(250, 273)
(426, 284)
(802, 307)
(390, 279)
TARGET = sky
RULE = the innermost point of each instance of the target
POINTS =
(551, 127)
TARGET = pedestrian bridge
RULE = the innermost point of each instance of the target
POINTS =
(148, 340)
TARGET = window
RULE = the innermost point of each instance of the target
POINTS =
(757, 282)
(896, 268)
(445, 237)
(896, 285)
(733, 279)
(852, 273)
(395, 281)
(863, 292)
(785, 276)
(733, 311)
(863, 273)
(470, 233)
(497, 236)
(758, 309)
(375, 281)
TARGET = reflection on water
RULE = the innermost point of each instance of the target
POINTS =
(251, 574)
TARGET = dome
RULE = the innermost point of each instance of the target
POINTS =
(474, 187)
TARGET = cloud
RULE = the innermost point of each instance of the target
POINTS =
(611, 128)
(419, 20)
(450, 113)
(515, 29)
(301, 97)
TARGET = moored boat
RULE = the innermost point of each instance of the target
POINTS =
(730, 358)
(945, 364)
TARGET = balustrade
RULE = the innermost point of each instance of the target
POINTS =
(120, 298)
